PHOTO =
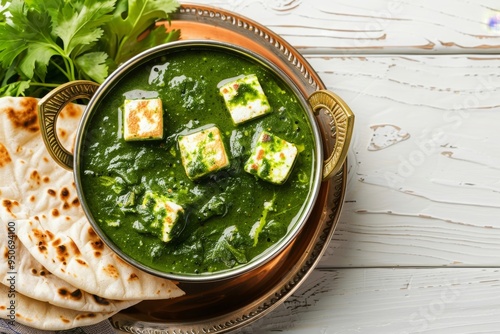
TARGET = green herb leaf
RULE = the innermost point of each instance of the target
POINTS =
(48, 42)
(79, 23)
(156, 36)
(94, 65)
(14, 89)
(130, 20)
(28, 32)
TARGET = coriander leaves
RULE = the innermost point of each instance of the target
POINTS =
(44, 43)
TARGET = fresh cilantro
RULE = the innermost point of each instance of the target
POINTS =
(45, 43)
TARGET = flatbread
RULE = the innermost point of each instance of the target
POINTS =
(40, 197)
(71, 250)
(40, 315)
(35, 281)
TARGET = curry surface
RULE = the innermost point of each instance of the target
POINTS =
(230, 216)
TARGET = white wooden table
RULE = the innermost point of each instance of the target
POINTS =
(417, 249)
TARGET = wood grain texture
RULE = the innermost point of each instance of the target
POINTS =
(417, 248)
(379, 26)
(434, 198)
(400, 301)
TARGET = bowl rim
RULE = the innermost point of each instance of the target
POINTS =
(160, 50)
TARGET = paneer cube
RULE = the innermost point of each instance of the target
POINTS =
(167, 214)
(143, 119)
(272, 158)
(203, 152)
(244, 98)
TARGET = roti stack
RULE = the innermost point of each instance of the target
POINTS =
(62, 273)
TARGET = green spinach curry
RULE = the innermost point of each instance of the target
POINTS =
(229, 216)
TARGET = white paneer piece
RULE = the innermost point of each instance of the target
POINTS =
(272, 158)
(143, 119)
(167, 214)
(244, 98)
(203, 152)
(173, 211)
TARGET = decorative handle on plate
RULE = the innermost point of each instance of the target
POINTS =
(342, 125)
(49, 108)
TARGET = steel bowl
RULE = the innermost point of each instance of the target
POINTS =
(341, 127)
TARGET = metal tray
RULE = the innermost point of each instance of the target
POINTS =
(227, 305)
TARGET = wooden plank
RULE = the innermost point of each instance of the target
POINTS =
(432, 199)
(378, 26)
(399, 301)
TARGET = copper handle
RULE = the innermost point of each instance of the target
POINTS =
(49, 108)
(342, 125)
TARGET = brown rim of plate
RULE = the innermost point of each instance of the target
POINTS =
(230, 304)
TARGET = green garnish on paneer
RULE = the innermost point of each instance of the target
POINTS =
(166, 212)
(272, 158)
(203, 152)
(244, 98)
(143, 119)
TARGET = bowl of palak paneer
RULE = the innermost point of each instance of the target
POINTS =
(200, 160)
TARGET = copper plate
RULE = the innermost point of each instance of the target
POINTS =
(227, 305)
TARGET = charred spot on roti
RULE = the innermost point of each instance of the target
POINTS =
(42, 272)
(6, 252)
(62, 253)
(55, 212)
(83, 263)
(66, 206)
(63, 319)
(39, 235)
(32, 198)
(46, 179)
(76, 294)
(75, 202)
(9, 206)
(101, 301)
(95, 241)
(71, 110)
(85, 315)
(42, 248)
(97, 244)
(41, 239)
(111, 271)
(26, 117)
(64, 195)
(45, 159)
(20, 316)
(97, 254)
(2, 307)
(62, 133)
(92, 233)
(133, 277)
(56, 242)
(51, 192)
(35, 178)
(4, 156)
(74, 248)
